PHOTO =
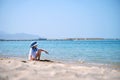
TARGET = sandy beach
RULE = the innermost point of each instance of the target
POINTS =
(18, 69)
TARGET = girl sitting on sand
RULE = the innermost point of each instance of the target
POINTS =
(34, 52)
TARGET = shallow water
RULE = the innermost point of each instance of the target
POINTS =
(89, 51)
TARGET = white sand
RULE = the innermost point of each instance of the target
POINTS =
(13, 69)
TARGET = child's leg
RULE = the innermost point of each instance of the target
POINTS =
(38, 55)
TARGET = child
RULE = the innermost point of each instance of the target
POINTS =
(34, 52)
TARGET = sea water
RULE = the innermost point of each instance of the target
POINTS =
(90, 51)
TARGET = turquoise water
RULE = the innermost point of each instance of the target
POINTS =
(91, 51)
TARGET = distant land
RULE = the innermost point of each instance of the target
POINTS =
(30, 37)
(17, 36)
(75, 39)
(66, 39)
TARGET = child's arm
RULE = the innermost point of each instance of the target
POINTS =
(44, 51)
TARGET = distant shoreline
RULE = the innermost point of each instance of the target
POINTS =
(66, 39)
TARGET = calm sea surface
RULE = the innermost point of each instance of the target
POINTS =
(91, 51)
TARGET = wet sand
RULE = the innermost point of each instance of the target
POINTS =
(18, 69)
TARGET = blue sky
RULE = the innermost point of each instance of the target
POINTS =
(61, 18)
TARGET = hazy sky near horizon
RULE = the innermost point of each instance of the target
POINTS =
(61, 18)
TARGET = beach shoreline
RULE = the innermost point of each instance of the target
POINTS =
(21, 69)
